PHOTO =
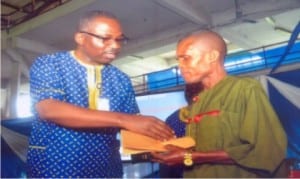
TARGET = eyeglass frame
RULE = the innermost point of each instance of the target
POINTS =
(123, 40)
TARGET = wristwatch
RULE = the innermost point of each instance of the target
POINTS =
(188, 159)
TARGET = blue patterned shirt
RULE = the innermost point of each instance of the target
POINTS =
(57, 151)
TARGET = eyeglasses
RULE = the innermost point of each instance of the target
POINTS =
(120, 40)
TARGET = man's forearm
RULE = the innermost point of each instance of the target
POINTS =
(72, 116)
(69, 115)
(212, 157)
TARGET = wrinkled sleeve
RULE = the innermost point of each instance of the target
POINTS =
(45, 82)
(262, 138)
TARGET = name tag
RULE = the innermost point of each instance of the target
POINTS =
(103, 104)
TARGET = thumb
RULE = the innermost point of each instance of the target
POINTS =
(170, 147)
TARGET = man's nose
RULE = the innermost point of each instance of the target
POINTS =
(114, 43)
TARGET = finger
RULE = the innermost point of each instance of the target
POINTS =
(155, 155)
(162, 135)
(166, 128)
(171, 147)
(158, 129)
(159, 156)
(157, 133)
(163, 131)
(157, 160)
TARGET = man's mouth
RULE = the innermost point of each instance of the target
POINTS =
(111, 54)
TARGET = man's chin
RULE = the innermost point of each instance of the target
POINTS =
(107, 60)
(191, 80)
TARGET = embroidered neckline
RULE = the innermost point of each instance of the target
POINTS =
(72, 53)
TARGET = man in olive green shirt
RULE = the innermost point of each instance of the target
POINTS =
(236, 130)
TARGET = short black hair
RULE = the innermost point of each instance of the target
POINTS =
(90, 15)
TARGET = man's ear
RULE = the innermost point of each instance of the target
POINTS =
(78, 38)
(214, 55)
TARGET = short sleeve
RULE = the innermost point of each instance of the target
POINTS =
(131, 105)
(45, 82)
(263, 141)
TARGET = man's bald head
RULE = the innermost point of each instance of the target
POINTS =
(201, 58)
(206, 40)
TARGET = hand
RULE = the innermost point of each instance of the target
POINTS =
(174, 156)
(149, 126)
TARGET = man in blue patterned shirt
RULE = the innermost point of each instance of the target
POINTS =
(80, 103)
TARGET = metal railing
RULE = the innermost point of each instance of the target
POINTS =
(237, 63)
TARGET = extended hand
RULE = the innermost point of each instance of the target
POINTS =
(174, 156)
(150, 126)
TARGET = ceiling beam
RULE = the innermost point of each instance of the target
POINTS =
(28, 45)
(3, 3)
(252, 10)
(261, 9)
(187, 10)
(142, 66)
(158, 43)
(166, 40)
(238, 38)
(45, 18)
(33, 46)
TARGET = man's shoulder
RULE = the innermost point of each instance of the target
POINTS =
(116, 70)
(246, 81)
(52, 57)
(50, 61)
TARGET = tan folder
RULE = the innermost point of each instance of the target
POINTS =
(133, 143)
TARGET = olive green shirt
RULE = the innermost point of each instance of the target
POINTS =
(247, 128)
